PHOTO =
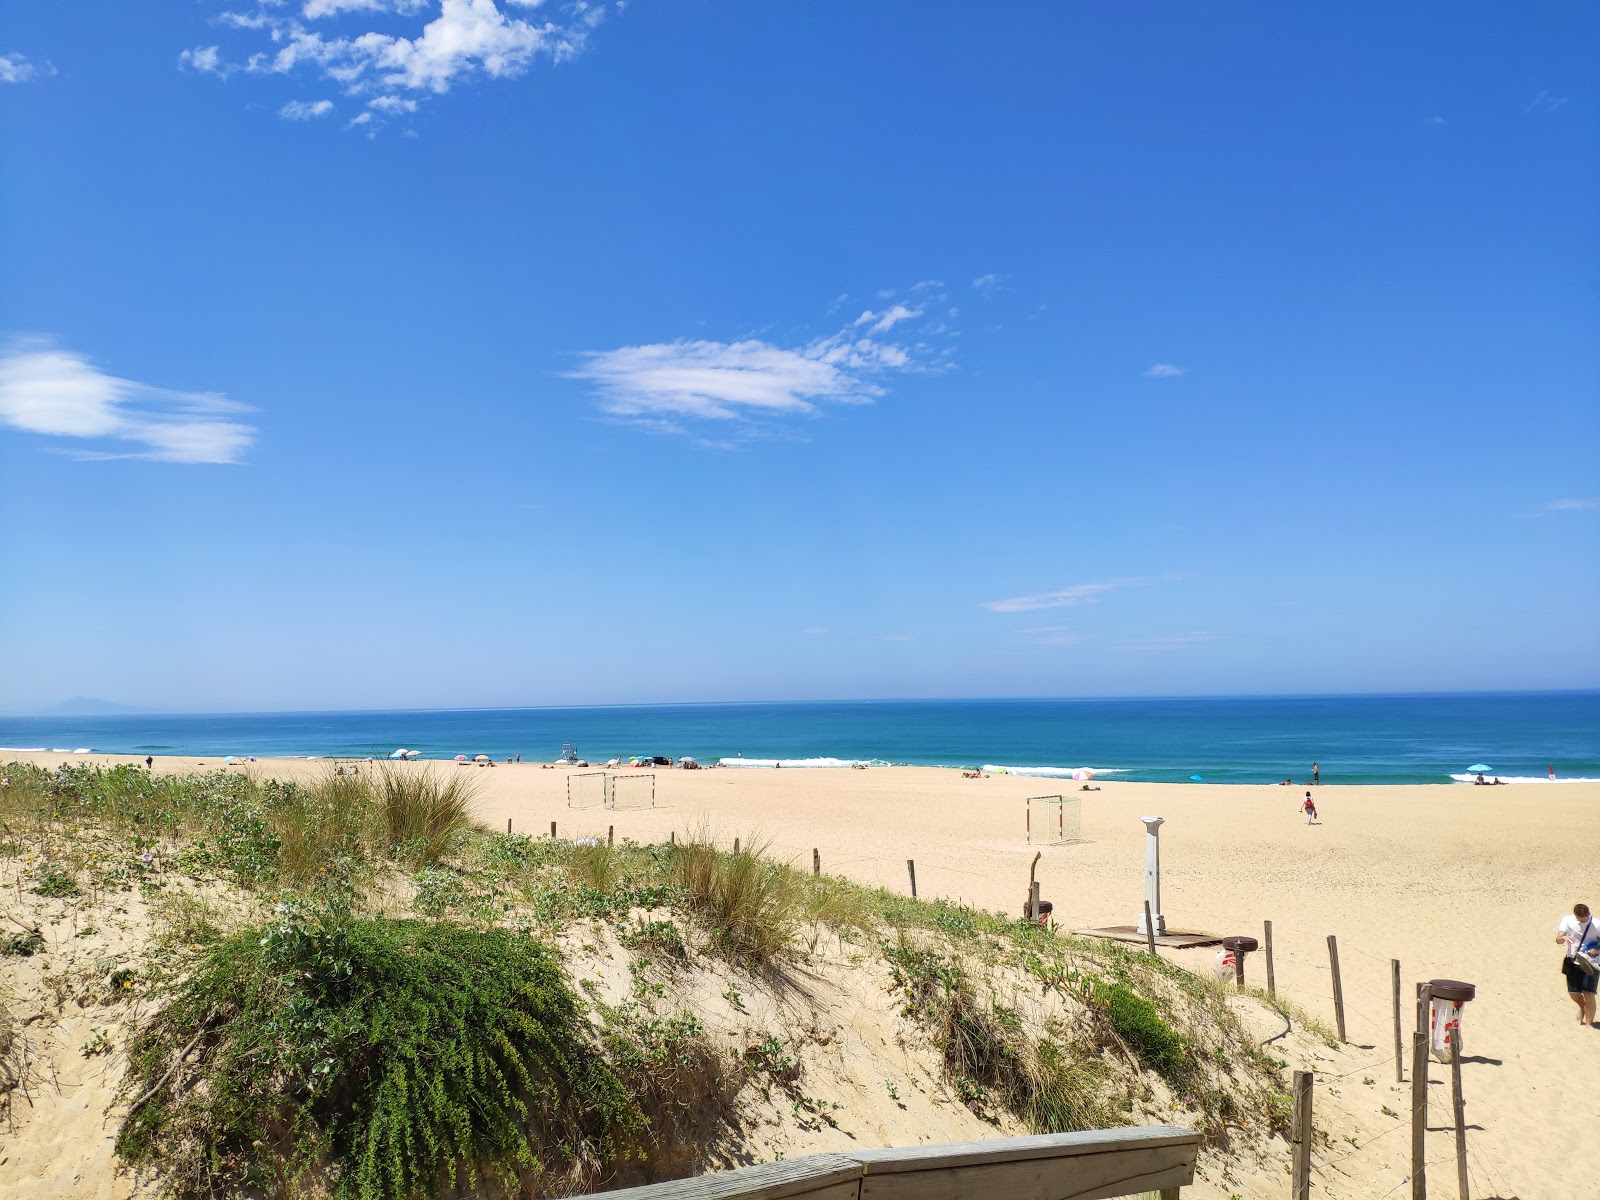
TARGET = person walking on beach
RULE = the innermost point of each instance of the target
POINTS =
(149, 763)
(1578, 931)
(1316, 775)
(1310, 807)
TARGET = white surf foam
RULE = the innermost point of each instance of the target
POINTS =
(1489, 779)
(1051, 772)
(790, 762)
(64, 750)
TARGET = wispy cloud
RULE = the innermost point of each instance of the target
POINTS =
(1067, 597)
(57, 393)
(665, 386)
(421, 48)
(305, 110)
(897, 637)
(1164, 371)
(1167, 641)
(814, 630)
(990, 284)
(1546, 101)
(19, 68)
(1047, 635)
(1583, 504)
(1434, 122)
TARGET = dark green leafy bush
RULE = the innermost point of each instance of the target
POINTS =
(396, 1058)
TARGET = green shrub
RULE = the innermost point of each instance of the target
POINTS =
(751, 906)
(421, 816)
(1140, 1024)
(395, 1058)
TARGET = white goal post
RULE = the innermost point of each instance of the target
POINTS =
(1055, 820)
(587, 790)
(631, 790)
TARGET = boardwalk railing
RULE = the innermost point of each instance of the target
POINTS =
(1052, 1166)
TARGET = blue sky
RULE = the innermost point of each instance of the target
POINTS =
(390, 353)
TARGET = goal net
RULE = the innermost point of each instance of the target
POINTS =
(587, 790)
(1054, 820)
(632, 791)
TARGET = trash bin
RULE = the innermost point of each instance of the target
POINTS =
(1448, 996)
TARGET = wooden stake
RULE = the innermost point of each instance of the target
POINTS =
(1399, 1049)
(672, 837)
(1033, 902)
(611, 835)
(1149, 929)
(1419, 1096)
(552, 831)
(736, 845)
(508, 824)
(911, 869)
(1338, 987)
(816, 861)
(1460, 1112)
(1302, 1133)
(1272, 981)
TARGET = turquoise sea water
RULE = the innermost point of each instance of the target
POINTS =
(1355, 739)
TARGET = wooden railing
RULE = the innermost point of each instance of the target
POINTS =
(1052, 1166)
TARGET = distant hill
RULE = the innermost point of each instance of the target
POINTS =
(86, 706)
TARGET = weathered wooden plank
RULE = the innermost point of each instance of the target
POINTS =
(1071, 1177)
(816, 1177)
(1038, 1145)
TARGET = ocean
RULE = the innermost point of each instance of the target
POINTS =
(1354, 739)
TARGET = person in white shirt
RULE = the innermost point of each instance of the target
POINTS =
(1579, 931)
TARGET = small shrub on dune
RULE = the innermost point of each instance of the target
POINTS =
(383, 1058)
(320, 827)
(751, 905)
(421, 815)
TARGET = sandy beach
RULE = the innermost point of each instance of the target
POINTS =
(1456, 882)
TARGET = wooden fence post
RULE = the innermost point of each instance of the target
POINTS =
(1460, 1107)
(552, 831)
(1272, 981)
(1302, 1129)
(1399, 1050)
(736, 845)
(508, 824)
(1033, 901)
(672, 837)
(911, 869)
(1149, 929)
(1338, 987)
(611, 835)
(1419, 1096)
(816, 861)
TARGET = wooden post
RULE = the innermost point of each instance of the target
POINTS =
(1272, 981)
(736, 845)
(1149, 929)
(1460, 1107)
(552, 831)
(1399, 1049)
(611, 835)
(1238, 968)
(1302, 1133)
(1338, 987)
(911, 869)
(816, 861)
(1419, 1096)
(508, 824)
(1033, 901)
(672, 837)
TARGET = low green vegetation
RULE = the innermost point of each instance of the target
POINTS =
(356, 992)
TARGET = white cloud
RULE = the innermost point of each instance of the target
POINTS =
(1067, 597)
(1434, 122)
(663, 384)
(1164, 371)
(464, 39)
(990, 284)
(305, 110)
(1575, 505)
(19, 68)
(205, 59)
(1545, 101)
(1047, 635)
(57, 393)
(1167, 641)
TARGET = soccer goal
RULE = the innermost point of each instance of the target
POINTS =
(1055, 820)
(587, 790)
(632, 790)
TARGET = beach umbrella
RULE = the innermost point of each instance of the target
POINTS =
(400, 753)
(461, 758)
(1479, 769)
(230, 759)
(1083, 774)
(480, 758)
(1196, 779)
